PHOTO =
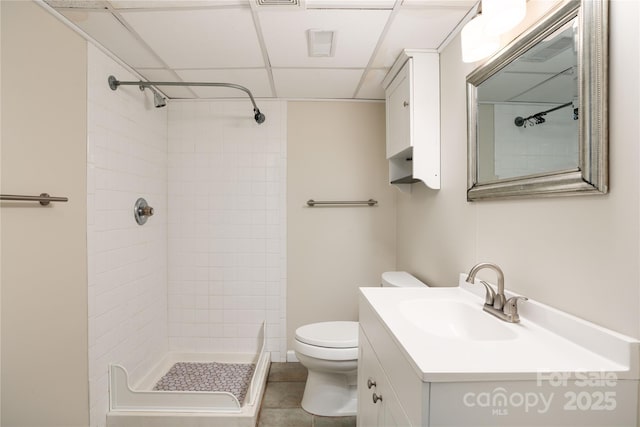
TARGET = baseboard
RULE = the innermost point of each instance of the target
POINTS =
(291, 356)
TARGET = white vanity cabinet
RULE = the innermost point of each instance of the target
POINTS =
(471, 369)
(412, 92)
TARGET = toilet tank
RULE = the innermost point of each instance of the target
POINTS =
(400, 279)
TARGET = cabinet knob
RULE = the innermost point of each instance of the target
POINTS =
(405, 104)
(376, 398)
(370, 383)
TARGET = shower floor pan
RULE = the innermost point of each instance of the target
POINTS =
(143, 406)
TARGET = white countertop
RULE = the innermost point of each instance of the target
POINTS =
(546, 341)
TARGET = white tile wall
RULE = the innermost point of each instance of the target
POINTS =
(546, 147)
(127, 159)
(227, 225)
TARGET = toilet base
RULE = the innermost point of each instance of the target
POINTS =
(330, 395)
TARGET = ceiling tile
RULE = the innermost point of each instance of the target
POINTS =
(529, 87)
(350, 4)
(208, 38)
(104, 28)
(508, 86)
(217, 40)
(161, 4)
(316, 83)
(561, 89)
(256, 80)
(358, 31)
(468, 4)
(76, 4)
(372, 85)
(417, 29)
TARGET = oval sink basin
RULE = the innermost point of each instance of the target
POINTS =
(455, 319)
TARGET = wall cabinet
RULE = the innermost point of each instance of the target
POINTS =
(412, 93)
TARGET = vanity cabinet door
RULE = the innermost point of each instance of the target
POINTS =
(378, 405)
(393, 414)
(369, 371)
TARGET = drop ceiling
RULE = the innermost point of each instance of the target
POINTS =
(262, 44)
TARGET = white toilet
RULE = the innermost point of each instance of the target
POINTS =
(329, 351)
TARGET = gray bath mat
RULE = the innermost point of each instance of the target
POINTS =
(233, 378)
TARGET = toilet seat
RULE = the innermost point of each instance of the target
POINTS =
(328, 340)
(341, 334)
(326, 353)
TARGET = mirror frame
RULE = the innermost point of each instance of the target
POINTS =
(591, 175)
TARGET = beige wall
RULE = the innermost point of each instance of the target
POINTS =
(335, 151)
(579, 254)
(44, 273)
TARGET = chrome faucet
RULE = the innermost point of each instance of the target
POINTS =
(495, 302)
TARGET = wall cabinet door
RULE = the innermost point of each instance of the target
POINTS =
(399, 112)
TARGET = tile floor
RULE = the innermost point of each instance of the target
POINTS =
(282, 398)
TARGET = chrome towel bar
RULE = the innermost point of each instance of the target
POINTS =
(369, 202)
(43, 198)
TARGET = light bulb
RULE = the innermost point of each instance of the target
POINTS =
(503, 15)
(476, 43)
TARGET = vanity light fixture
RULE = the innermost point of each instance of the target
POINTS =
(503, 15)
(476, 42)
(480, 36)
(321, 42)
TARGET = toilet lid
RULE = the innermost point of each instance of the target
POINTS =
(341, 334)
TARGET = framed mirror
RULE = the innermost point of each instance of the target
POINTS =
(537, 110)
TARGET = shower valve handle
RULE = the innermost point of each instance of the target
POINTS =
(146, 211)
(142, 211)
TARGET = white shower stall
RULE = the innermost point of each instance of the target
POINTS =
(209, 267)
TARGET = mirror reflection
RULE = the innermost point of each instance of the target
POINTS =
(537, 118)
(527, 113)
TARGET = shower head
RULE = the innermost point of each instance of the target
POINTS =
(158, 100)
(259, 117)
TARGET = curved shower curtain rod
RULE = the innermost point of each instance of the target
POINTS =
(160, 101)
(536, 119)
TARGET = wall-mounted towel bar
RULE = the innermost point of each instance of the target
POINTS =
(369, 202)
(43, 198)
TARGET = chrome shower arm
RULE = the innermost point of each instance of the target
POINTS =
(259, 117)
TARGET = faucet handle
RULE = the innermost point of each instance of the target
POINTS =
(511, 308)
(490, 295)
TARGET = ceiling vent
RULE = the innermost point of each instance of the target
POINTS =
(321, 42)
(280, 3)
